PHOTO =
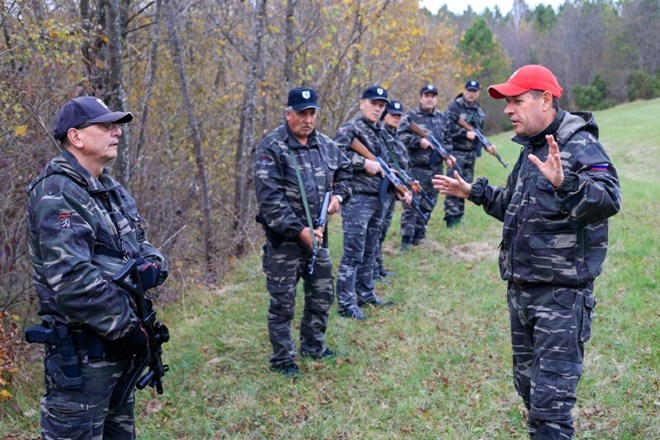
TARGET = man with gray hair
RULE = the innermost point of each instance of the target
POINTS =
(82, 228)
(298, 173)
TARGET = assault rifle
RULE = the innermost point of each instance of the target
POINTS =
(482, 141)
(157, 335)
(320, 223)
(389, 174)
(409, 181)
(435, 145)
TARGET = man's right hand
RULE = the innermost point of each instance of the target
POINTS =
(306, 236)
(372, 167)
(452, 187)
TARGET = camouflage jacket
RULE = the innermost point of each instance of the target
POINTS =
(371, 135)
(434, 123)
(323, 168)
(81, 231)
(472, 114)
(555, 235)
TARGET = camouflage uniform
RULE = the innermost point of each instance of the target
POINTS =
(362, 217)
(554, 243)
(398, 152)
(286, 259)
(81, 231)
(424, 164)
(463, 149)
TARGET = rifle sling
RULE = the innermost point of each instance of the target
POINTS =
(303, 195)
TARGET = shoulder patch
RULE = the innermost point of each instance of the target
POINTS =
(64, 220)
(264, 161)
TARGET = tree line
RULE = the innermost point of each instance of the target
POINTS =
(207, 79)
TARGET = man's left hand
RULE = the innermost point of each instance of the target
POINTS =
(551, 168)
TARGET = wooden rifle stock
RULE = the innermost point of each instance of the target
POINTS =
(363, 151)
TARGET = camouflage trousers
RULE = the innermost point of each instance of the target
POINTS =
(549, 326)
(388, 213)
(86, 413)
(413, 225)
(284, 267)
(455, 206)
(362, 220)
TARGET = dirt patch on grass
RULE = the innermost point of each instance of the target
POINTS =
(475, 251)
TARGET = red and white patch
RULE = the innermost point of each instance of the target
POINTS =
(64, 219)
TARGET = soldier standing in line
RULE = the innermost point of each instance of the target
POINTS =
(296, 169)
(555, 207)
(399, 159)
(424, 161)
(82, 228)
(362, 217)
(464, 115)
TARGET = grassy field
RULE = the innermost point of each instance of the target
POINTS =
(437, 366)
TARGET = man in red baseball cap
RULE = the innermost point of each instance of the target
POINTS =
(554, 207)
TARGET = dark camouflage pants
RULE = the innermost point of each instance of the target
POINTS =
(86, 413)
(455, 206)
(284, 267)
(412, 224)
(387, 221)
(549, 326)
(362, 220)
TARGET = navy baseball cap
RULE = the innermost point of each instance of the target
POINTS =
(375, 93)
(394, 107)
(429, 88)
(472, 85)
(301, 98)
(84, 110)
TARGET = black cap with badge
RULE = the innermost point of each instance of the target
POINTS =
(301, 98)
(85, 110)
(429, 88)
(375, 93)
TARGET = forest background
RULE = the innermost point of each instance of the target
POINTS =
(207, 79)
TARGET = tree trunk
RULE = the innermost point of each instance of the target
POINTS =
(245, 150)
(207, 229)
(115, 93)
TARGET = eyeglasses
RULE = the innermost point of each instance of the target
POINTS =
(108, 126)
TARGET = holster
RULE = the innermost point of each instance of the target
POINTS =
(62, 361)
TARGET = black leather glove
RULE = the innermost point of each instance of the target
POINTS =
(149, 273)
(135, 342)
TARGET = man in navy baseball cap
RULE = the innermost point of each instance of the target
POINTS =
(85, 110)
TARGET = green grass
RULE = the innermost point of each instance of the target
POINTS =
(437, 366)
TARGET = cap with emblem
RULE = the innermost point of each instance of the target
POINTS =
(429, 88)
(529, 77)
(85, 110)
(301, 98)
(394, 107)
(375, 93)
(472, 85)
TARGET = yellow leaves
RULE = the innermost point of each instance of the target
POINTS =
(20, 131)
(5, 395)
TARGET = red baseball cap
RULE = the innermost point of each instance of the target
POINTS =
(529, 77)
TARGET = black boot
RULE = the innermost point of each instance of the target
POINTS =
(406, 242)
(453, 220)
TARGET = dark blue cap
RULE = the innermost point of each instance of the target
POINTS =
(429, 88)
(394, 107)
(472, 85)
(83, 110)
(301, 98)
(375, 93)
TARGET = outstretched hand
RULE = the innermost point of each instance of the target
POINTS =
(456, 187)
(551, 168)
